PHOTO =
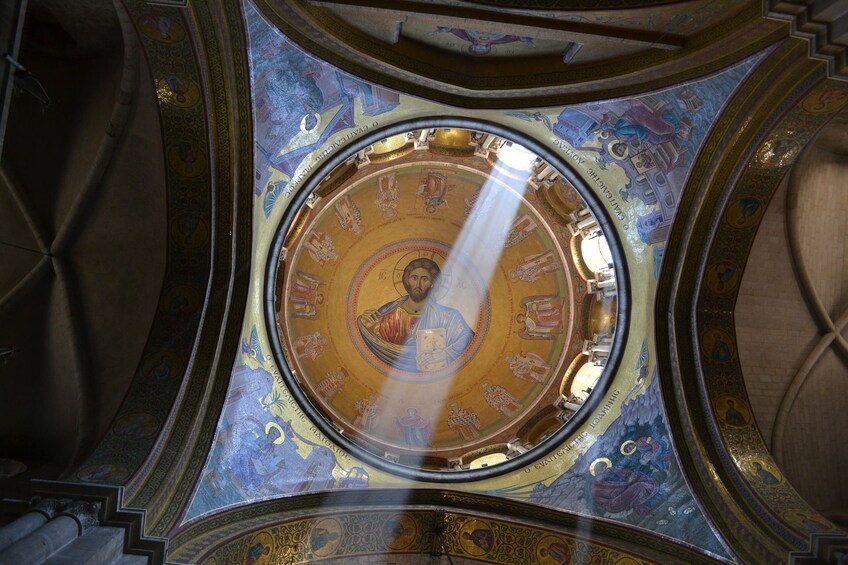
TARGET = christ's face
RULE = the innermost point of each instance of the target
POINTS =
(418, 283)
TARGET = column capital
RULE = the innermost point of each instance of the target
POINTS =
(85, 513)
(48, 507)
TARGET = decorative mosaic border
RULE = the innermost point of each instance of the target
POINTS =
(144, 415)
(383, 533)
(516, 531)
(227, 77)
(717, 298)
(181, 375)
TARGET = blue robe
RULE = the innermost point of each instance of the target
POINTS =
(433, 316)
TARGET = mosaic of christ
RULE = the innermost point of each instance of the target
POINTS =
(401, 312)
(415, 332)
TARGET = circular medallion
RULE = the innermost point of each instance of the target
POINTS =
(824, 101)
(744, 212)
(105, 474)
(778, 152)
(136, 425)
(260, 549)
(717, 345)
(189, 231)
(723, 277)
(159, 367)
(186, 159)
(455, 310)
(476, 537)
(732, 410)
(181, 301)
(553, 550)
(763, 472)
(399, 532)
(178, 91)
(161, 28)
(325, 537)
(807, 521)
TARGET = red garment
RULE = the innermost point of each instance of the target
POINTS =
(397, 326)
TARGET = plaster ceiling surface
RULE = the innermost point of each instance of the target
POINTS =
(629, 158)
(481, 31)
(794, 295)
(82, 231)
(70, 29)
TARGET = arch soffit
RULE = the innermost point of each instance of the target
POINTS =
(498, 82)
(300, 515)
(789, 99)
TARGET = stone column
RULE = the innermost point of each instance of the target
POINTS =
(41, 510)
(72, 520)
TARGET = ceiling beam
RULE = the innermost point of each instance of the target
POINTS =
(392, 11)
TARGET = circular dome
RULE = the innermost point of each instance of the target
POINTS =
(428, 301)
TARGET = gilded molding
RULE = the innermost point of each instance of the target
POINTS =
(504, 518)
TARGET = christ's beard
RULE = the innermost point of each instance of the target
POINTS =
(418, 294)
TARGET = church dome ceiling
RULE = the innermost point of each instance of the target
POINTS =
(477, 271)
(430, 302)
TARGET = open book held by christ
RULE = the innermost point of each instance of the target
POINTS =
(430, 346)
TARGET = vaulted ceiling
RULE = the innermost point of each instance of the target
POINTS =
(83, 230)
(130, 219)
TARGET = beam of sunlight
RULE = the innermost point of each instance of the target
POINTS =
(481, 241)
